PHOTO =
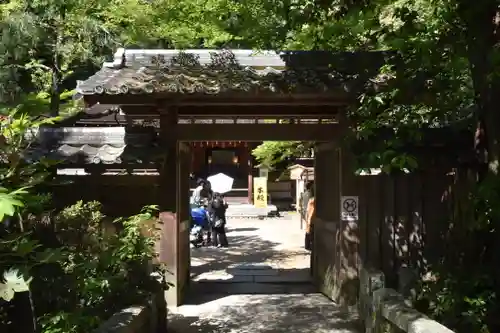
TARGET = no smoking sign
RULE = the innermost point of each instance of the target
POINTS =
(349, 208)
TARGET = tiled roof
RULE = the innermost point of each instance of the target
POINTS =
(147, 80)
(106, 145)
(215, 72)
(105, 154)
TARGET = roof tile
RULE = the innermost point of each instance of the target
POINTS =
(218, 71)
(147, 80)
(106, 145)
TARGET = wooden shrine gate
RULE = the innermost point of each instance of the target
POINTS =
(221, 95)
(177, 130)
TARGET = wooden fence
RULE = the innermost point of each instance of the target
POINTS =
(119, 195)
(404, 218)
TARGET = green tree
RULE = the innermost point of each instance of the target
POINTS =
(169, 23)
(47, 40)
(272, 153)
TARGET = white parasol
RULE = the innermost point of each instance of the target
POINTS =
(221, 183)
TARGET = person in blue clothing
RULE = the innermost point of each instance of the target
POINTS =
(202, 196)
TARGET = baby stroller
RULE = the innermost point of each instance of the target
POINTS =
(199, 223)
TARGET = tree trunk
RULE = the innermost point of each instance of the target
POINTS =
(55, 100)
(55, 91)
(480, 21)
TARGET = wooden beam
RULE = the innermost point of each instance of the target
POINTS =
(256, 111)
(257, 132)
(262, 111)
(297, 102)
(330, 98)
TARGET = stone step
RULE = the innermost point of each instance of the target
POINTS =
(240, 275)
(251, 288)
(242, 210)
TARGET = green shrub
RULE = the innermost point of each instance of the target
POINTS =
(97, 271)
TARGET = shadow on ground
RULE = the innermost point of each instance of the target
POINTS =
(260, 283)
(268, 282)
(242, 249)
(266, 314)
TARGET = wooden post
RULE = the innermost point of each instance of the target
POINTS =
(350, 252)
(326, 225)
(173, 183)
(250, 174)
(337, 275)
(349, 257)
(168, 174)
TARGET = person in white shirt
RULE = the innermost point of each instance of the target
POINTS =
(196, 196)
(202, 193)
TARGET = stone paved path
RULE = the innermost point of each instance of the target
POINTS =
(260, 284)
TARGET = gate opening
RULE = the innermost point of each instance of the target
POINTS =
(266, 245)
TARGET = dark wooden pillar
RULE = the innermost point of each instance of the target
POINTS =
(198, 154)
(337, 275)
(249, 165)
(349, 257)
(168, 173)
(193, 158)
(350, 237)
(174, 207)
(327, 184)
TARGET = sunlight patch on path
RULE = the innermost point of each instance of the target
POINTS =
(260, 284)
(296, 313)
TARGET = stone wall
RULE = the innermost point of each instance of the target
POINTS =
(384, 310)
(147, 318)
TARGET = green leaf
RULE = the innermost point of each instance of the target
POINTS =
(13, 283)
(8, 205)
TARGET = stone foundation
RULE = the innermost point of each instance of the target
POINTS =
(147, 318)
(385, 310)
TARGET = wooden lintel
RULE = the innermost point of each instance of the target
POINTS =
(266, 103)
(262, 111)
(229, 100)
(257, 132)
(258, 111)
